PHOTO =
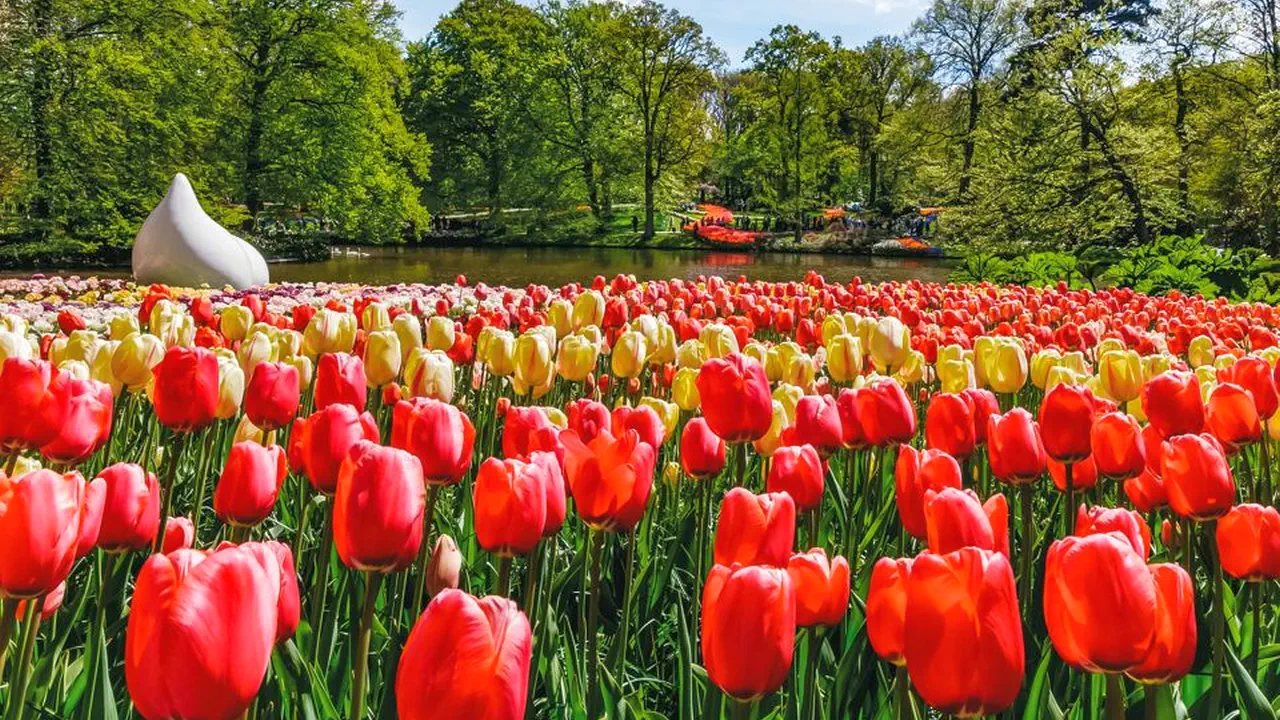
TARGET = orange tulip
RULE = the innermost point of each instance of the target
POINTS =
(798, 471)
(588, 418)
(553, 485)
(817, 423)
(748, 629)
(131, 509)
(821, 587)
(916, 473)
(440, 435)
(1254, 374)
(609, 478)
(985, 407)
(272, 396)
(1171, 401)
(643, 419)
(1100, 520)
(885, 414)
(340, 378)
(1099, 602)
(1014, 448)
(1118, 449)
(250, 484)
(201, 631)
(948, 425)
(1248, 540)
(325, 439)
(735, 398)
(378, 508)
(702, 452)
(1197, 477)
(74, 419)
(956, 518)
(1084, 475)
(44, 518)
(1146, 491)
(466, 658)
(755, 529)
(1231, 417)
(510, 501)
(526, 430)
(964, 648)
(186, 388)
(1066, 416)
(1173, 647)
(23, 384)
(887, 609)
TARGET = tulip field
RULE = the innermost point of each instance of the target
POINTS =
(682, 499)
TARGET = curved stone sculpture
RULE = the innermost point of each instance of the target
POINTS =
(181, 245)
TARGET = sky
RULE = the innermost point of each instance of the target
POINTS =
(736, 24)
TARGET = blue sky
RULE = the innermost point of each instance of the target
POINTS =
(736, 24)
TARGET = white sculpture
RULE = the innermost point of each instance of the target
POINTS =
(180, 245)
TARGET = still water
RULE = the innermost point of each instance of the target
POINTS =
(519, 266)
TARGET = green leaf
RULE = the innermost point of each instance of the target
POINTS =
(1251, 698)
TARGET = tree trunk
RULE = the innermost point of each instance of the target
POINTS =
(797, 147)
(1127, 185)
(650, 179)
(1184, 150)
(254, 165)
(593, 189)
(494, 191)
(974, 108)
(874, 172)
(41, 96)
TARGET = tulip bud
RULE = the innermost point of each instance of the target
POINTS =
(629, 352)
(444, 567)
(440, 333)
(236, 320)
(382, 357)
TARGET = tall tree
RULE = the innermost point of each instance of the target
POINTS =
(788, 62)
(888, 77)
(664, 64)
(966, 39)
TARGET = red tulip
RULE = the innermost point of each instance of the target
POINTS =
(378, 508)
(821, 587)
(609, 478)
(69, 321)
(201, 631)
(555, 491)
(915, 474)
(340, 378)
(131, 508)
(74, 419)
(527, 430)
(735, 398)
(1154, 446)
(1118, 449)
(23, 384)
(1171, 401)
(702, 452)
(755, 529)
(1255, 375)
(797, 471)
(1100, 520)
(1248, 540)
(887, 609)
(289, 606)
(49, 607)
(1197, 478)
(250, 483)
(1099, 602)
(1146, 491)
(957, 518)
(43, 518)
(466, 658)
(185, 392)
(1066, 416)
(851, 435)
(963, 643)
(885, 414)
(179, 534)
(948, 425)
(1084, 475)
(985, 406)
(272, 395)
(643, 420)
(440, 435)
(1231, 417)
(1014, 448)
(817, 423)
(325, 439)
(748, 629)
(1174, 642)
(588, 418)
(510, 501)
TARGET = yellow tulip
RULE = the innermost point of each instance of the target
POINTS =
(671, 474)
(429, 373)
(1270, 354)
(560, 317)
(82, 345)
(1134, 408)
(890, 344)
(13, 323)
(1061, 374)
(913, 370)
(382, 357)
(236, 320)
(684, 389)
(306, 370)
(1200, 351)
(588, 309)
(778, 360)
(288, 343)
(844, 357)
(100, 367)
(789, 395)
(576, 358)
(121, 325)
(227, 353)
(668, 413)
(646, 325)
(329, 332)
(534, 369)
(375, 317)
(133, 359)
(13, 345)
(1077, 362)
(500, 353)
(691, 354)
(440, 333)
(719, 340)
(956, 375)
(257, 348)
(758, 352)
(772, 440)
(1224, 361)
(864, 327)
(1041, 363)
(662, 348)
(832, 326)
(57, 350)
(801, 372)
(595, 335)
(1120, 374)
(1005, 366)
(409, 330)
(74, 368)
(246, 431)
(555, 415)
(629, 352)
(954, 352)
(230, 389)
(1208, 380)
(1153, 365)
(1107, 345)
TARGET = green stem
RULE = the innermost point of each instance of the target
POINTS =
(1256, 638)
(424, 552)
(739, 709)
(18, 688)
(202, 483)
(628, 591)
(1027, 551)
(240, 533)
(106, 583)
(12, 463)
(1265, 496)
(595, 538)
(372, 582)
(1219, 622)
(1069, 510)
(167, 490)
(531, 580)
(320, 582)
(9, 608)
(902, 695)
(1115, 697)
(503, 587)
(811, 674)
(850, 464)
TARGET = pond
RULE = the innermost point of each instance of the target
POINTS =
(519, 266)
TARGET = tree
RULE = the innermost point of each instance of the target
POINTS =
(664, 64)
(888, 76)
(966, 39)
